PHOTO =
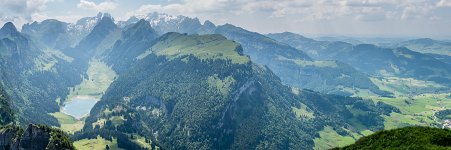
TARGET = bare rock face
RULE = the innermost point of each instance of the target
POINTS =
(35, 137)
(8, 137)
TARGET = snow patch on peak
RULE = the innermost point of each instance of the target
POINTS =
(156, 19)
(84, 26)
(88, 23)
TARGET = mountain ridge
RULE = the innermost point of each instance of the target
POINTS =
(209, 87)
(428, 45)
(377, 60)
(222, 92)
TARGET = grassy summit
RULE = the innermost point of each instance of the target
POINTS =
(212, 46)
(405, 138)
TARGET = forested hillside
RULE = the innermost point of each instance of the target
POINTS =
(34, 78)
(6, 113)
(33, 137)
(205, 87)
(405, 138)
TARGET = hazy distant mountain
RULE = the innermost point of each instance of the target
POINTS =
(101, 38)
(86, 24)
(297, 69)
(427, 45)
(135, 40)
(299, 42)
(331, 77)
(376, 60)
(15, 46)
(355, 40)
(132, 20)
(442, 58)
(55, 34)
(50, 33)
(398, 61)
(334, 39)
(163, 23)
(260, 48)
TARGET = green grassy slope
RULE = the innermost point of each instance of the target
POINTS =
(174, 45)
(98, 143)
(99, 78)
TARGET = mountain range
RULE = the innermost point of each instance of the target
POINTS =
(172, 82)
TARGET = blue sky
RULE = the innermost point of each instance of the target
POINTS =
(386, 18)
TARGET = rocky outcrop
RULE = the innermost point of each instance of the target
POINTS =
(35, 137)
(9, 137)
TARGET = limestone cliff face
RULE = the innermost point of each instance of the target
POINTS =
(9, 137)
(35, 137)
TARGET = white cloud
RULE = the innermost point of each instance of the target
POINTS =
(21, 11)
(68, 18)
(308, 10)
(188, 7)
(304, 10)
(444, 3)
(417, 11)
(103, 6)
(39, 17)
(259, 15)
(325, 16)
